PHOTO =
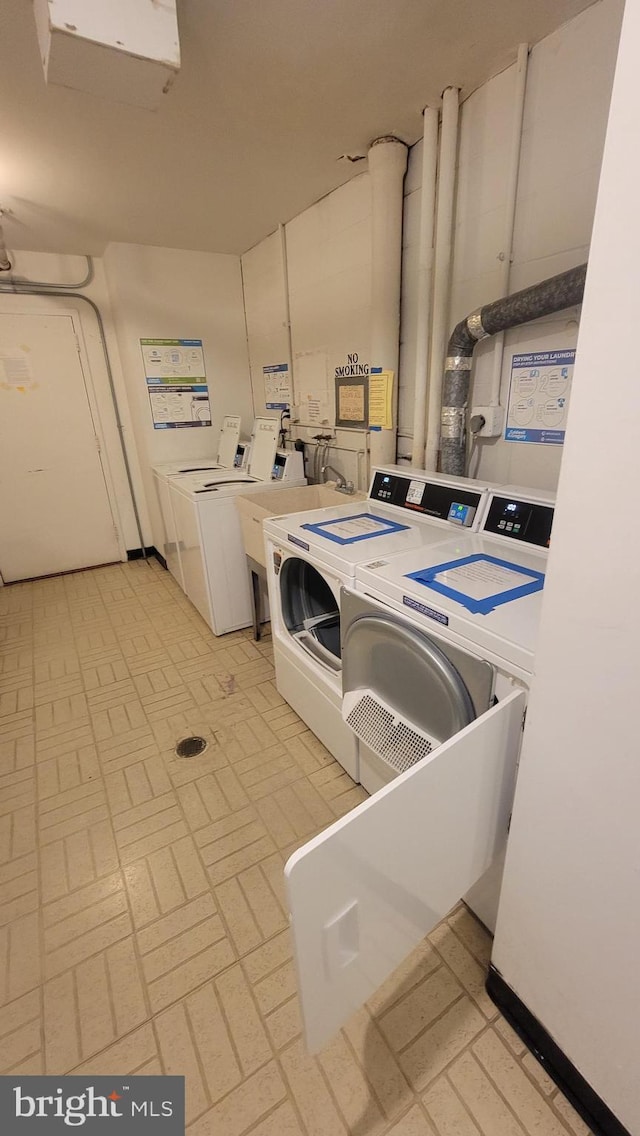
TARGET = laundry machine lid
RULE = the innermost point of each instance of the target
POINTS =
(264, 443)
(228, 442)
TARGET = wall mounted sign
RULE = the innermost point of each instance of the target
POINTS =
(380, 398)
(353, 368)
(352, 398)
(352, 393)
(277, 386)
(539, 395)
(176, 381)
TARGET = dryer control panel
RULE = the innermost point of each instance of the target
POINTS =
(453, 503)
(519, 519)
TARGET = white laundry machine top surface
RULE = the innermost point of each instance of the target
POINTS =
(186, 466)
(228, 442)
(486, 586)
(405, 509)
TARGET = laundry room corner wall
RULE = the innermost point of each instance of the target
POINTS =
(569, 918)
(66, 270)
(567, 100)
(329, 287)
(163, 293)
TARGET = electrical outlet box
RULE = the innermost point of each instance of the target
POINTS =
(493, 421)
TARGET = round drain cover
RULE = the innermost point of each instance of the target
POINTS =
(191, 747)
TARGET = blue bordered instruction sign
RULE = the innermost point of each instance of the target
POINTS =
(176, 381)
(350, 530)
(480, 583)
(539, 395)
(277, 386)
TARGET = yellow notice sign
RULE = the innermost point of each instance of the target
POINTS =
(380, 399)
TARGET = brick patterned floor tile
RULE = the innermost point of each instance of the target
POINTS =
(143, 915)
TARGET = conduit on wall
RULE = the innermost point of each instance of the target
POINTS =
(543, 299)
(425, 272)
(510, 209)
(387, 167)
(442, 266)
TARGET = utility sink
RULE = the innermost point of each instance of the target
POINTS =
(254, 507)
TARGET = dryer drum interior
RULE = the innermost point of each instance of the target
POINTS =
(405, 692)
(310, 610)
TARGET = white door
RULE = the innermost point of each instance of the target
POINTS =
(55, 513)
(364, 892)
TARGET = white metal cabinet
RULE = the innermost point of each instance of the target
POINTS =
(364, 892)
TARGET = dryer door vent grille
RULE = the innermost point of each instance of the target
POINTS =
(398, 742)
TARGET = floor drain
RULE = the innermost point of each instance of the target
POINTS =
(191, 747)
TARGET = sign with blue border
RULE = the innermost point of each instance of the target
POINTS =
(539, 395)
(350, 530)
(176, 381)
(483, 579)
(277, 386)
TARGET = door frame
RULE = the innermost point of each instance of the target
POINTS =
(72, 313)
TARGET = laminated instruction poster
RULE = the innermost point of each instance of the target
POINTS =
(176, 382)
(277, 386)
(539, 397)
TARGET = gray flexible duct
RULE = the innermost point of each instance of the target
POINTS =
(552, 295)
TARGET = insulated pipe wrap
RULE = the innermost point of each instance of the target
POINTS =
(553, 295)
(563, 291)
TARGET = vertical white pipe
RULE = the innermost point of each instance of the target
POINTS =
(387, 166)
(442, 267)
(510, 209)
(425, 273)
(287, 306)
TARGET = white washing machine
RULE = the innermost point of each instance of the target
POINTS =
(209, 541)
(231, 454)
(311, 555)
(438, 653)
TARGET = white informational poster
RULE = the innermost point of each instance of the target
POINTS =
(355, 527)
(176, 381)
(15, 368)
(277, 386)
(482, 578)
(539, 397)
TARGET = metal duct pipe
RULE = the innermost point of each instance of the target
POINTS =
(387, 166)
(552, 295)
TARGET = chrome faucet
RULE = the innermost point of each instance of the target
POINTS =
(342, 485)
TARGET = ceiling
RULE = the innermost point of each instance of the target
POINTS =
(271, 94)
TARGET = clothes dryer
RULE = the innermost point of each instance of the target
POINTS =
(438, 648)
(311, 555)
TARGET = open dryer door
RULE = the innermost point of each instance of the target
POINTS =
(364, 892)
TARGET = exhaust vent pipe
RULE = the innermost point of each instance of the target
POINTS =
(552, 295)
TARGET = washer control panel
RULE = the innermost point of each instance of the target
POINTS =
(452, 503)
